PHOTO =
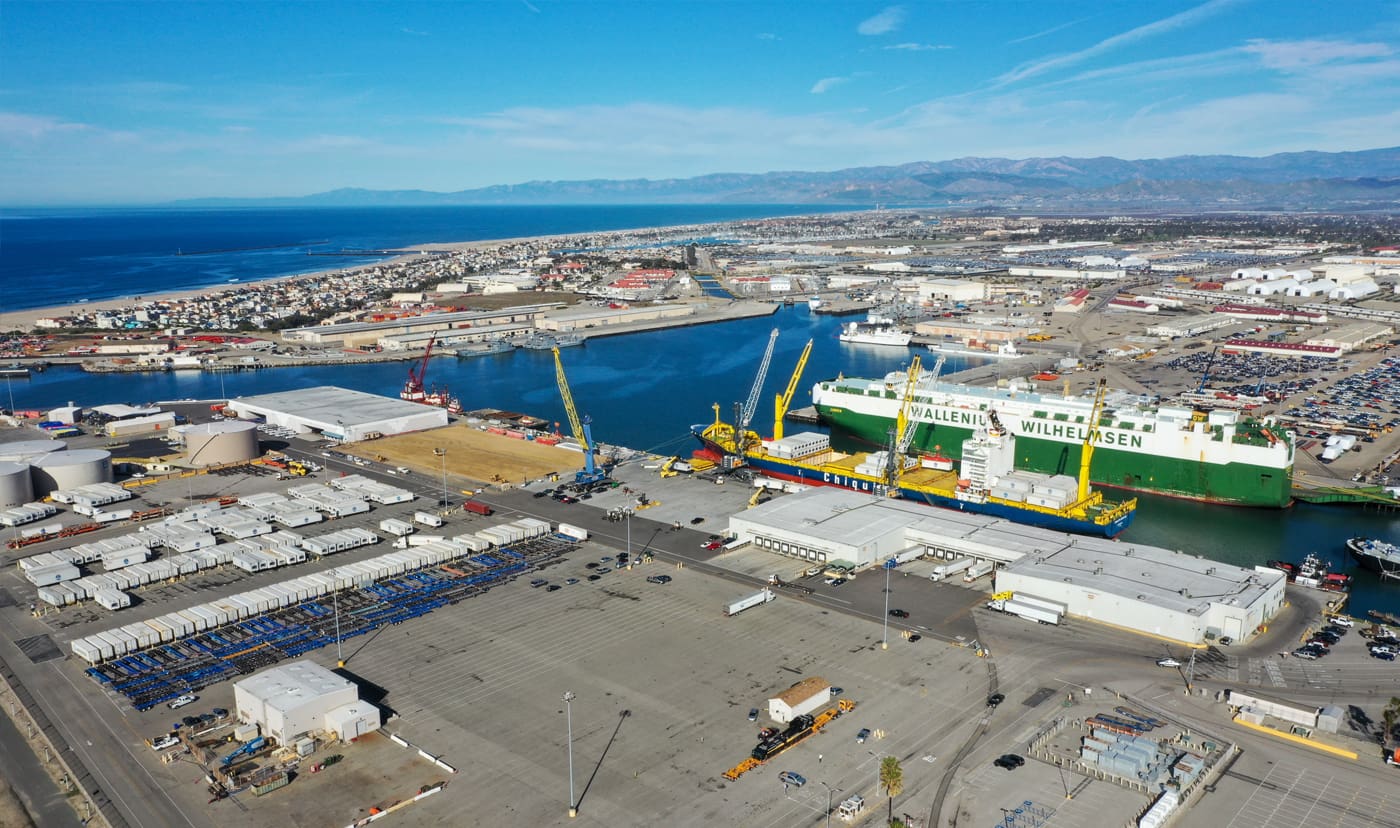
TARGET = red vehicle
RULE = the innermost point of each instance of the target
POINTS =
(478, 508)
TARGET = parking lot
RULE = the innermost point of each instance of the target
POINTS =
(1293, 795)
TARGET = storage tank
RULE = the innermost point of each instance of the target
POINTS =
(222, 441)
(70, 469)
(24, 451)
(15, 485)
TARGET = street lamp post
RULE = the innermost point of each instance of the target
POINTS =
(629, 534)
(335, 601)
(442, 452)
(828, 802)
(885, 639)
(569, 717)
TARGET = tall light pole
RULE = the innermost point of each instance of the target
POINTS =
(569, 717)
(442, 452)
(335, 600)
(885, 639)
(828, 802)
(629, 534)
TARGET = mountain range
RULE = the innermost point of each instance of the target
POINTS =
(1293, 181)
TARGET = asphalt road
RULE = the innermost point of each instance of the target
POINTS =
(47, 806)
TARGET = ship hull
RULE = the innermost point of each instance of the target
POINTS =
(1139, 462)
(1382, 566)
(810, 476)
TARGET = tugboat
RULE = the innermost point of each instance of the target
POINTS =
(1377, 556)
(1312, 572)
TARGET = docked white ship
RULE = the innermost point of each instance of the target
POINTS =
(868, 333)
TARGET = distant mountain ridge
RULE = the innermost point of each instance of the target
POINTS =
(1366, 179)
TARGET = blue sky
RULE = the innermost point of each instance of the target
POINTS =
(136, 103)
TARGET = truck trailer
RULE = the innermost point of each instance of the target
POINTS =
(760, 597)
(945, 571)
(977, 570)
(1030, 612)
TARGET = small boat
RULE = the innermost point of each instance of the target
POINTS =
(865, 333)
(1376, 556)
(1312, 572)
(814, 302)
(476, 349)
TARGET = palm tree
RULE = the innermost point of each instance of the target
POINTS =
(891, 780)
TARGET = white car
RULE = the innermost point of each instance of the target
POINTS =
(182, 701)
(1342, 621)
(1168, 662)
(164, 742)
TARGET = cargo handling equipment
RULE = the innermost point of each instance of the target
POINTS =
(797, 732)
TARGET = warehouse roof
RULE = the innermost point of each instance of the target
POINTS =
(289, 686)
(804, 690)
(330, 404)
(1171, 580)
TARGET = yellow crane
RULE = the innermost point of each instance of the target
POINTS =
(590, 473)
(903, 434)
(783, 400)
(1090, 438)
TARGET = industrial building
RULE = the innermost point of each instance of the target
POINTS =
(952, 290)
(964, 332)
(418, 340)
(1146, 589)
(339, 413)
(1189, 325)
(578, 320)
(1142, 588)
(302, 698)
(221, 441)
(1352, 336)
(359, 334)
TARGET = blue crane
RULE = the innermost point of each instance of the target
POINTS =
(245, 749)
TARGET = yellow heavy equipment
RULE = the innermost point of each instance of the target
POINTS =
(782, 742)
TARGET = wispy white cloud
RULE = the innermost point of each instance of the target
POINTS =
(767, 36)
(15, 126)
(883, 23)
(917, 47)
(531, 6)
(413, 32)
(1299, 55)
(1049, 31)
(1146, 31)
(825, 85)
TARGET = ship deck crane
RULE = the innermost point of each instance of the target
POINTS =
(903, 433)
(733, 438)
(417, 375)
(1091, 437)
(783, 400)
(591, 472)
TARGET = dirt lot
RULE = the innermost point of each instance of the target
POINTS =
(471, 453)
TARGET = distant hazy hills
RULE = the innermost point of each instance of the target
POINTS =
(1369, 179)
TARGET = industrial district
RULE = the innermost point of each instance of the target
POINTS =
(331, 607)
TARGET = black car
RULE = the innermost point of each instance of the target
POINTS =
(898, 613)
(541, 493)
(696, 521)
(914, 637)
(1010, 761)
(594, 577)
(552, 587)
(591, 565)
(995, 699)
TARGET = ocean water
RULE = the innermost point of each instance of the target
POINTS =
(645, 390)
(62, 256)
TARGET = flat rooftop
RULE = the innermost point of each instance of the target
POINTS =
(342, 328)
(332, 404)
(1168, 579)
(289, 686)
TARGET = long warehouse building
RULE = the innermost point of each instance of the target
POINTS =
(1143, 588)
(339, 413)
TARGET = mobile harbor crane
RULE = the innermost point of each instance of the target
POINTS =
(583, 432)
(783, 400)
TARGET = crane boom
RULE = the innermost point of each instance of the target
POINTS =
(751, 404)
(1090, 438)
(590, 473)
(903, 433)
(783, 400)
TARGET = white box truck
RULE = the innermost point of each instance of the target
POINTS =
(945, 571)
(1043, 603)
(1030, 612)
(760, 597)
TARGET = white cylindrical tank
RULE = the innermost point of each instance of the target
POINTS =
(223, 441)
(70, 469)
(25, 450)
(15, 486)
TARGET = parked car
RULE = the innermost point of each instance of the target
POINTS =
(862, 735)
(792, 778)
(552, 588)
(995, 699)
(1010, 761)
(1342, 621)
(538, 582)
(180, 702)
(898, 613)
(571, 581)
(914, 637)
(659, 579)
(1168, 662)
(164, 742)
(753, 714)
(711, 545)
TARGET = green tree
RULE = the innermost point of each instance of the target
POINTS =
(1388, 718)
(891, 780)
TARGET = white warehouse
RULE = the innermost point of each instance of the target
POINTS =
(339, 413)
(301, 698)
(1146, 589)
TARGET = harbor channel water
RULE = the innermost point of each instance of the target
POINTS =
(644, 390)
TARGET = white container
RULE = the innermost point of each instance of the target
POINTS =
(427, 519)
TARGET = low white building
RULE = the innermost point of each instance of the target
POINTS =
(951, 290)
(806, 696)
(301, 698)
(339, 413)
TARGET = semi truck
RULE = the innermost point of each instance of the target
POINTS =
(977, 570)
(1043, 603)
(761, 597)
(1021, 609)
(947, 570)
(909, 555)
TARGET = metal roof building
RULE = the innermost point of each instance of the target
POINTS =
(339, 413)
(302, 697)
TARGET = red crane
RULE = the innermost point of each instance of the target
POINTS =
(413, 386)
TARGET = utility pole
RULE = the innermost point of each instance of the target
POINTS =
(442, 452)
(335, 601)
(885, 637)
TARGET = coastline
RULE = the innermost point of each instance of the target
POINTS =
(24, 319)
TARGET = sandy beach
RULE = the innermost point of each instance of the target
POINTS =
(24, 320)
